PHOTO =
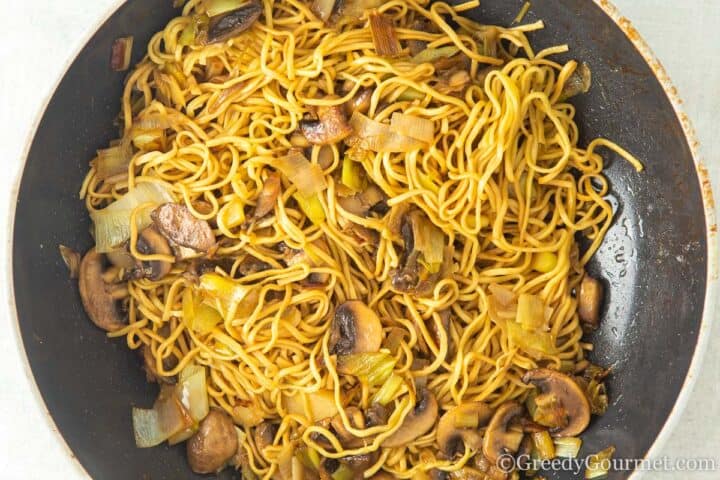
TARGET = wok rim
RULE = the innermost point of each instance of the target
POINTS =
(622, 23)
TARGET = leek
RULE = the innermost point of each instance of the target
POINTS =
(112, 223)
(198, 317)
(598, 465)
(307, 177)
(534, 343)
(192, 391)
(312, 207)
(218, 7)
(419, 128)
(530, 311)
(168, 417)
(352, 175)
(544, 445)
(321, 404)
(230, 296)
(375, 367)
(429, 55)
(567, 447)
(389, 390)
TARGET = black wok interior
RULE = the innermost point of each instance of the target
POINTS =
(653, 259)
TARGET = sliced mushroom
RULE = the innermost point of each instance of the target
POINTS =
(330, 128)
(177, 223)
(418, 422)
(360, 102)
(225, 26)
(458, 429)
(490, 471)
(250, 265)
(264, 435)
(214, 444)
(72, 260)
(590, 301)
(579, 82)
(562, 404)
(499, 438)
(121, 257)
(350, 468)
(376, 415)
(424, 245)
(98, 297)
(355, 329)
(356, 419)
(268, 196)
(150, 242)
(151, 372)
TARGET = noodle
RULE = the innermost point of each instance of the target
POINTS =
(504, 180)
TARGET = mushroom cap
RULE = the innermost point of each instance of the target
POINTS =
(214, 444)
(96, 295)
(417, 422)
(451, 437)
(233, 23)
(568, 395)
(355, 329)
(151, 242)
(264, 435)
(590, 298)
(177, 223)
(499, 439)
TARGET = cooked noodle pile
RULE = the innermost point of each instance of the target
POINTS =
(503, 184)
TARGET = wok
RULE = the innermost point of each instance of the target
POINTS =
(655, 259)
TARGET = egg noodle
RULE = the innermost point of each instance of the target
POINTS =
(504, 180)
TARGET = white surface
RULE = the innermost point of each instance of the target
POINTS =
(39, 37)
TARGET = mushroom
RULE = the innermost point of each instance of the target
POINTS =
(121, 258)
(561, 403)
(360, 102)
(149, 361)
(458, 428)
(234, 22)
(350, 467)
(151, 372)
(267, 197)
(264, 435)
(356, 419)
(490, 471)
(98, 297)
(214, 444)
(578, 82)
(589, 301)
(417, 422)
(150, 242)
(376, 415)
(355, 329)
(177, 223)
(423, 256)
(499, 438)
(330, 128)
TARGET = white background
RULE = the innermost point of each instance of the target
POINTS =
(39, 37)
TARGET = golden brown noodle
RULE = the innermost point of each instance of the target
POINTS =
(505, 179)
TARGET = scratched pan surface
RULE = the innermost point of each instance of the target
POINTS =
(654, 257)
